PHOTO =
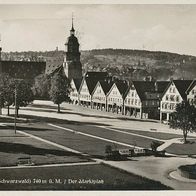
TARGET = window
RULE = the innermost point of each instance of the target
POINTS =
(167, 97)
(171, 97)
(177, 98)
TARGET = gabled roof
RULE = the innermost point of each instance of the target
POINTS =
(143, 88)
(53, 63)
(161, 86)
(191, 86)
(90, 82)
(77, 83)
(106, 85)
(181, 85)
(121, 85)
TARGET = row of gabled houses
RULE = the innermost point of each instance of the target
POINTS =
(141, 99)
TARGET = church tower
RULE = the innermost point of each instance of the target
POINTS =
(72, 65)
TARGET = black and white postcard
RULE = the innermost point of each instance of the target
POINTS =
(97, 96)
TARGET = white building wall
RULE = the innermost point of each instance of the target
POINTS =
(114, 97)
(132, 99)
(99, 95)
(74, 95)
(170, 99)
(191, 97)
(84, 93)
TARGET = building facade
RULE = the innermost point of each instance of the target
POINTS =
(174, 94)
(142, 99)
(99, 93)
(27, 70)
(133, 104)
(22, 69)
(115, 97)
(74, 94)
(72, 65)
(191, 93)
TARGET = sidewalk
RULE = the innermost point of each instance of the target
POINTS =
(84, 114)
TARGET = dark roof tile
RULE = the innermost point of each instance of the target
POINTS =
(182, 86)
(53, 63)
(77, 83)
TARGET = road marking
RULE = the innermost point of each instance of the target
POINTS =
(135, 134)
(93, 136)
(50, 165)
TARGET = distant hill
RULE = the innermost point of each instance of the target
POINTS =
(127, 64)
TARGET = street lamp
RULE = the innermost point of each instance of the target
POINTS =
(15, 102)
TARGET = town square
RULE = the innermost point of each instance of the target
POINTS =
(83, 114)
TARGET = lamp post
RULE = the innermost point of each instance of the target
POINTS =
(15, 102)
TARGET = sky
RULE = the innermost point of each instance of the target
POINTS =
(170, 28)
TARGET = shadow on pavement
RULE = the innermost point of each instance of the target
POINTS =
(23, 128)
(35, 119)
(31, 150)
(75, 113)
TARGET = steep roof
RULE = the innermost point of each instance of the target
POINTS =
(23, 69)
(106, 85)
(182, 86)
(90, 82)
(145, 87)
(122, 87)
(191, 86)
(77, 83)
(53, 63)
(161, 86)
(142, 87)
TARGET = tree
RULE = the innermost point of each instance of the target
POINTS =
(24, 94)
(60, 89)
(42, 86)
(184, 118)
(9, 94)
(6, 90)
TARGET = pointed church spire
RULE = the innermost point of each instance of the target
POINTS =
(72, 31)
